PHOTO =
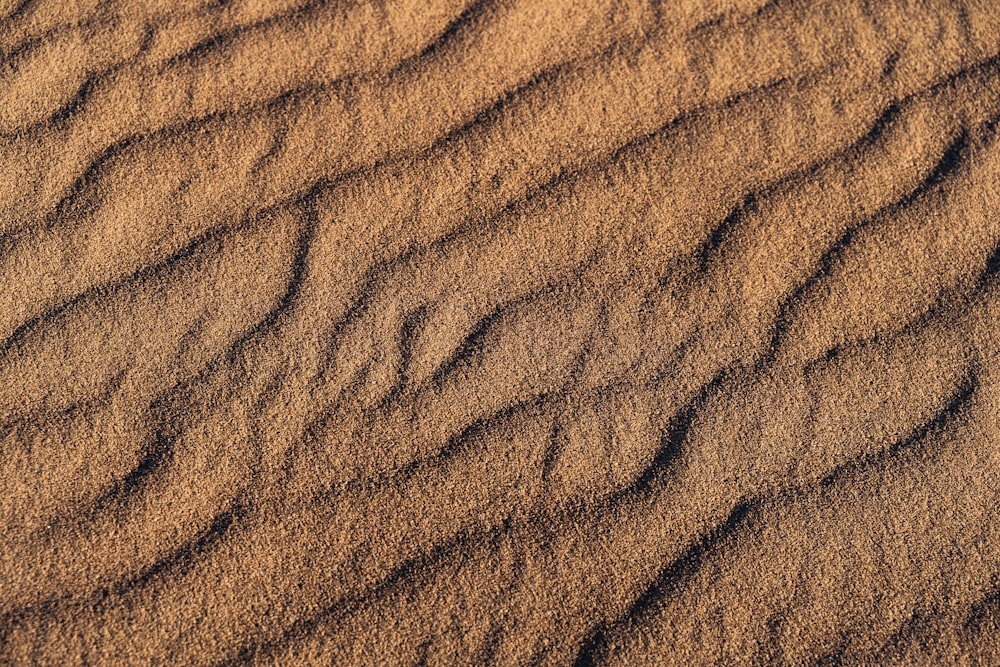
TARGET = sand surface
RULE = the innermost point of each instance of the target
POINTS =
(499, 332)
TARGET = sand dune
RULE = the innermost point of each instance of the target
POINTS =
(499, 332)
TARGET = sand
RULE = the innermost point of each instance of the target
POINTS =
(499, 332)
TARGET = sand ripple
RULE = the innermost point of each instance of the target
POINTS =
(499, 332)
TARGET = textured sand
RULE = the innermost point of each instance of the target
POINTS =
(499, 332)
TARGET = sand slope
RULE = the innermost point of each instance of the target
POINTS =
(499, 332)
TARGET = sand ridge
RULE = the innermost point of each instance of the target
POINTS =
(499, 332)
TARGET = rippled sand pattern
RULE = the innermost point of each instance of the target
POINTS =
(499, 332)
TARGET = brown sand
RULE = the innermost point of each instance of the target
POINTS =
(499, 332)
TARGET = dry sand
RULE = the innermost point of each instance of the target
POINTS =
(499, 332)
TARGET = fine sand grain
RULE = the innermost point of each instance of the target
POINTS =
(507, 332)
